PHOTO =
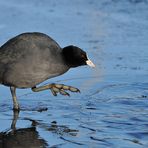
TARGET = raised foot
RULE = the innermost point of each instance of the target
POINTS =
(61, 88)
(56, 88)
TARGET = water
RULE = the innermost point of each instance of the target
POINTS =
(112, 108)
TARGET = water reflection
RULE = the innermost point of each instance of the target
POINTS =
(23, 137)
(29, 137)
(61, 129)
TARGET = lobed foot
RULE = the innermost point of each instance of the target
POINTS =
(61, 88)
(56, 88)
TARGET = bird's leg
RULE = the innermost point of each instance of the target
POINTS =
(15, 117)
(15, 103)
(56, 88)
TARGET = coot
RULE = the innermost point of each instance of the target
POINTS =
(31, 58)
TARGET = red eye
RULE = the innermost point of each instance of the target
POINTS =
(83, 56)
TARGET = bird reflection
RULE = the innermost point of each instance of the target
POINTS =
(30, 137)
(21, 138)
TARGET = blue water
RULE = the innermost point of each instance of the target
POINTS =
(112, 109)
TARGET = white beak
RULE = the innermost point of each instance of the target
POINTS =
(90, 63)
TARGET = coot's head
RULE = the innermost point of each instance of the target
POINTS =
(74, 56)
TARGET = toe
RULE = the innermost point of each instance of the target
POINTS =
(73, 89)
(59, 86)
(53, 92)
(55, 89)
(62, 92)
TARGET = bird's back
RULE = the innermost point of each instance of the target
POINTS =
(24, 43)
(29, 59)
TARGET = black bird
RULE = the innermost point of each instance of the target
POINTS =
(31, 58)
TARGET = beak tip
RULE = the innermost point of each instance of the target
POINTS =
(94, 66)
(90, 63)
